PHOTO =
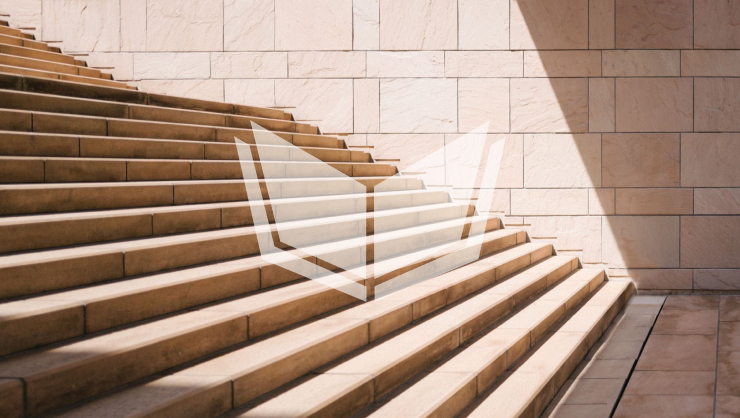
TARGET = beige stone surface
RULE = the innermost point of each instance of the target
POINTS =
(562, 161)
(562, 63)
(302, 25)
(196, 89)
(655, 104)
(82, 25)
(710, 160)
(249, 65)
(26, 13)
(510, 170)
(640, 63)
(195, 25)
(123, 64)
(601, 104)
(640, 160)
(710, 63)
(716, 24)
(133, 25)
(172, 65)
(366, 24)
(654, 24)
(716, 201)
(708, 242)
(421, 105)
(573, 233)
(367, 102)
(650, 279)
(640, 241)
(538, 24)
(549, 105)
(484, 64)
(655, 201)
(533, 202)
(325, 64)
(601, 201)
(249, 25)
(717, 279)
(481, 100)
(418, 25)
(406, 64)
(483, 24)
(327, 102)
(601, 24)
(717, 103)
(250, 92)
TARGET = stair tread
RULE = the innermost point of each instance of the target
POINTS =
(31, 72)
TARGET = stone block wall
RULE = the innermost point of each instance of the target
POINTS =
(622, 117)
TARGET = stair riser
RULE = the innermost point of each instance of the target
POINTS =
(17, 61)
(36, 54)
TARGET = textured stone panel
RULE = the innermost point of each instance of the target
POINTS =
(562, 63)
(250, 92)
(574, 233)
(484, 64)
(304, 25)
(601, 104)
(710, 63)
(549, 105)
(654, 24)
(133, 25)
(544, 24)
(601, 24)
(719, 279)
(655, 104)
(661, 279)
(641, 160)
(716, 201)
(326, 64)
(716, 24)
(639, 63)
(418, 25)
(411, 148)
(366, 24)
(553, 161)
(82, 25)
(249, 65)
(484, 24)
(710, 242)
(195, 25)
(24, 14)
(655, 201)
(328, 103)
(548, 202)
(601, 201)
(168, 65)
(249, 25)
(420, 105)
(195, 89)
(717, 104)
(481, 100)
(510, 171)
(640, 241)
(367, 105)
(123, 64)
(406, 64)
(710, 160)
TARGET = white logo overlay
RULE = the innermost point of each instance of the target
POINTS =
(300, 235)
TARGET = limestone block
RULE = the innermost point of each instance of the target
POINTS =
(661, 279)
(249, 25)
(419, 105)
(510, 171)
(249, 64)
(123, 64)
(710, 160)
(716, 24)
(484, 64)
(716, 201)
(641, 160)
(639, 63)
(710, 242)
(601, 201)
(562, 161)
(655, 201)
(571, 233)
(710, 63)
(562, 63)
(640, 241)
(195, 25)
(195, 89)
(250, 92)
(481, 100)
(533, 202)
(483, 24)
(654, 24)
(169, 65)
(366, 24)
(357, 140)
(24, 14)
(413, 25)
(549, 105)
(655, 104)
(601, 24)
(406, 64)
(367, 105)
(304, 25)
(133, 25)
(601, 104)
(412, 149)
(543, 24)
(500, 201)
(82, 25)
(717, 104)
(326, 102)
(335, 64)
(719, 279)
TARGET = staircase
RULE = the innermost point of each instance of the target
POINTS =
(131, 283)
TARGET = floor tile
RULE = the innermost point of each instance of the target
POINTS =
(578, 411)
(687, 322)
(605, 369)
(670, 383)
(593, 391)
(729, 336)
(679, 352)
(728, 374)
(728, 407)
(729, 308)
(651, 406)
(691, 303)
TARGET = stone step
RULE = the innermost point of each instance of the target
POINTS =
(76, 170)
(272, 362)
(447, 388)
(51, 145)
(36, 54)
(16, 61)
(5, 30)
(530, 388)
(12, 99)
(36, 272)
(68, 77)
(23, 41)
(58, 317)
(56, 198)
